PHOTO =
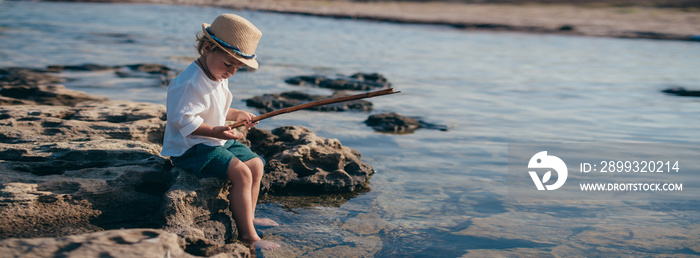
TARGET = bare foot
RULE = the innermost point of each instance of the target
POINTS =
(266, 245)
(265, 222)
(261, 244)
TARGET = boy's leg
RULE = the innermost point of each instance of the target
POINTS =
(240, 199)
(242, 204)
(256, 167)
(256, 170)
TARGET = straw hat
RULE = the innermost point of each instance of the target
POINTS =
(235, 35)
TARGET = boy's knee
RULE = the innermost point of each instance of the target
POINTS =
(239, 172)
(256, 166)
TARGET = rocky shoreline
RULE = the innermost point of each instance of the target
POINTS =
(82, 175)
(574, 18)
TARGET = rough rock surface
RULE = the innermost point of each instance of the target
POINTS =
(271, 102)
(358, 81)
(74, 164)
(111, 243)
(89, 164)
(299, 161)
(198, 211)
(395, 123)
(55, 188)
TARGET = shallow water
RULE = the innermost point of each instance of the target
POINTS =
(435, 193)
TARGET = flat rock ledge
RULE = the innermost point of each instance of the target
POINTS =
(83, 174)
(111, 243)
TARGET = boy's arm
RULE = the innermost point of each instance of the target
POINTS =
(219, 132)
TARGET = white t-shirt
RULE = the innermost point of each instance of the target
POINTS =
(194, 99)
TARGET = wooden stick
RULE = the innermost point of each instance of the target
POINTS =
(318, 103)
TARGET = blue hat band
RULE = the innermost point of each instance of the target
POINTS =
(235, 49)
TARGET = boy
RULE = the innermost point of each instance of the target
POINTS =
(198, 105)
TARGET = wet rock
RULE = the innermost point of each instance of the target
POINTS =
(149, 71)
(83, 67)
(16, 76)
(47, 95)
(680, 91)
(155, 71)
(272, 102)
(31, 86)
(111, 243)
(358, 81)
(395, 123)
(299, 162)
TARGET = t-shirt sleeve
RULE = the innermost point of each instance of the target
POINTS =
(189, 119)
(185, 116)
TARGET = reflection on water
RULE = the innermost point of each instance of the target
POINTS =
(435, 193)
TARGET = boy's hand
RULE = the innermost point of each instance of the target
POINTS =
(240, 116)
(224, 132)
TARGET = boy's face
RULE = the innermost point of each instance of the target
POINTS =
(222, 65)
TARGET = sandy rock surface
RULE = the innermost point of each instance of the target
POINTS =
(111, 243)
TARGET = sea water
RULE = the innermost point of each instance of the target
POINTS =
(435, 193)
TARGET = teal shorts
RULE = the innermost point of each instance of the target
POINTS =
(213, 161)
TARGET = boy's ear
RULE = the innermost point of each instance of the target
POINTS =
(209, 47)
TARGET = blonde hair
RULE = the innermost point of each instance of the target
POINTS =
(202, 46)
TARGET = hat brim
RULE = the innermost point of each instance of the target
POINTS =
(252, 63)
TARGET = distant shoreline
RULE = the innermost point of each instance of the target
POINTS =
(617, 22)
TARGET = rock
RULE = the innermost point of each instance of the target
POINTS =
(680, 91)
(83, 67)
(16, 76)
(156, 71)
(89, 120)
(73, 164)
(149, 71)
(197, 210)
(111, 243)
(30, 86)
(57, 188)
(47, 95)
(299, 162)
(272, 102)
(96, 165)
(358, 81)
(394, 123)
